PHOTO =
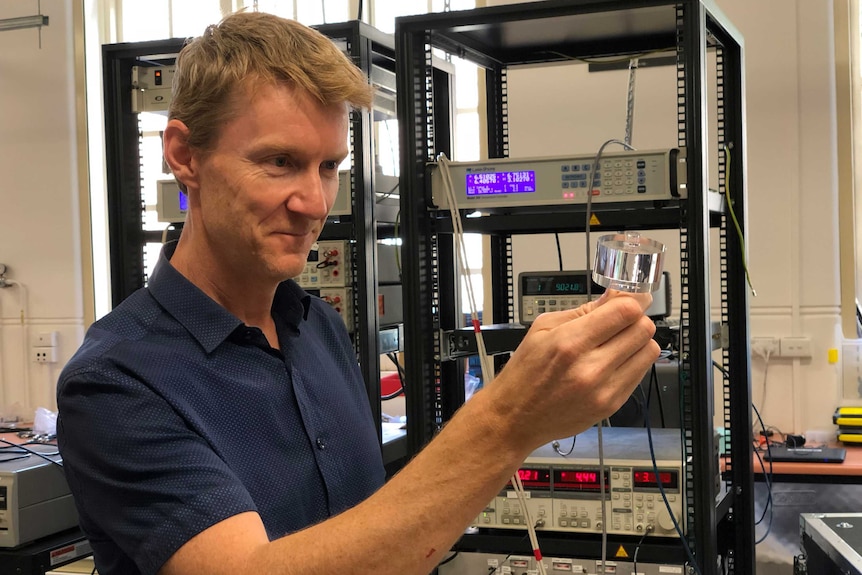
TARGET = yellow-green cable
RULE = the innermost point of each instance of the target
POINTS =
(733, 216)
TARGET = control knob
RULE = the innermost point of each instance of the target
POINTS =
(665, 521)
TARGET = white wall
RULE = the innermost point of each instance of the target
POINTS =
(39, 223)
(792, 182)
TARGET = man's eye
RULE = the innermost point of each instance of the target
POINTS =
(331, 165)
(280, 161)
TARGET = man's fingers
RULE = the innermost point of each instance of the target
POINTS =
(633, 347)
(605, 322)
(554, 319)
(644, 299)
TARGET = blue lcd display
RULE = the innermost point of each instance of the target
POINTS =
(184, 201)
(493, 183)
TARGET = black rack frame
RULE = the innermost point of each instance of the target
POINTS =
(368, 47)
(720, 519)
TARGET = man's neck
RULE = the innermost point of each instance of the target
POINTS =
(248, 298)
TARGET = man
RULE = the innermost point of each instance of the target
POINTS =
(215, 421)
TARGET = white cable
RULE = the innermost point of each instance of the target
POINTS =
(484, 358)
(593, 169)
(602, 492)
(630, 101)
(461, 249)
(589, 212)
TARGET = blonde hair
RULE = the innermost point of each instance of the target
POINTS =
(247, 48)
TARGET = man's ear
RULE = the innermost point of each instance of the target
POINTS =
(178, 154)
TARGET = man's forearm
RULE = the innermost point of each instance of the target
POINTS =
(571, 370)
(409, 525)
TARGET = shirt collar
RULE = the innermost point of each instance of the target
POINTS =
(207, 321)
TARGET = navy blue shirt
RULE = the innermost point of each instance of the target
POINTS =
(174, 415)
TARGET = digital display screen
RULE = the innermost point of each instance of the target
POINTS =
(648, 478)
(554, 286)
(582, 480)
(492, 183)
(535, 479)
(183, 201)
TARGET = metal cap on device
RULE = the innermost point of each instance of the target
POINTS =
(628, 262)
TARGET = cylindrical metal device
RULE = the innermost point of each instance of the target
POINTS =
(628, 262)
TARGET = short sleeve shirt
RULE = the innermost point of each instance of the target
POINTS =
(174, 415)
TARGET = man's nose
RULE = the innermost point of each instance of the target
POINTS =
(314, 196)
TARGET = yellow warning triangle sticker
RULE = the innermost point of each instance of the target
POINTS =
(621, 552)
(594, 221)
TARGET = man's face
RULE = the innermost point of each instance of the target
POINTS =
(267, 187)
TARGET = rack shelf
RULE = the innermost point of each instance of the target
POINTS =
(556, 31)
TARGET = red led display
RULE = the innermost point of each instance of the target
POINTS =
(532, 478)
(578, 480)
(648, 478)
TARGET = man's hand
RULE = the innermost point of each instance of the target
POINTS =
(576, 367)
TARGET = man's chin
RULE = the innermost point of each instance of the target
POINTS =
(287, 270)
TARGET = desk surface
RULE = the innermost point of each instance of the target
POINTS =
(850, 469)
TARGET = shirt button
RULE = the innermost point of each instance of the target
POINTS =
(321, 444)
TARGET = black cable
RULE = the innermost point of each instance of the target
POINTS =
(394, 359)
(667, 505)
(45, 456)
(93, 572)
(13, 428)
(401, 374)
(768, 480)
(16, 458)
(638, 548)
(448, 559)
(769, 505)
(385, 195)
(492, 570)
(654, 381)
(392, 395)
(556, 446)
(559, 250)
(359, 17)
(769, 493)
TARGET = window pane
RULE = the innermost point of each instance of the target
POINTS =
(387, 147)
(284, 8)
(322, 11)
(467, 137)
(191, 17)
(462, 4)
(466, 85)
(385, 12)
(144, 21)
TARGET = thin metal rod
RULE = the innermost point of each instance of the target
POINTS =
(36, 21)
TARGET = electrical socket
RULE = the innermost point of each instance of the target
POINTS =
(795, 346)
(765, 345)
(44, 354)
(45, 339)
